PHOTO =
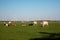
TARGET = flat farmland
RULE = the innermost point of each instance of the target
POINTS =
(27, 32)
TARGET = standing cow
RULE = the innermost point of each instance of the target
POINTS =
(9, 22)
(35, 23)
(4, 23)
(44, 23)
(23, 24)
(31, 24)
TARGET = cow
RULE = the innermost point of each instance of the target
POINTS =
(4, 23)
(35, 23)
(44, 23)
(9, 22)
(23, 24)
(12, 24)
(31, 24)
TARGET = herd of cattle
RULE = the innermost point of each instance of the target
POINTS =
(43, 23)
(9, 24)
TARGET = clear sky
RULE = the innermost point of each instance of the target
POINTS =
(29, 10)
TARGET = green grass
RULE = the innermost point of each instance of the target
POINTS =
(25, 33)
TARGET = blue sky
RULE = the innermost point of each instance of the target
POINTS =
(24, 10)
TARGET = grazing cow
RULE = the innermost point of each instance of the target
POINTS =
(44, 23)
(12, 24)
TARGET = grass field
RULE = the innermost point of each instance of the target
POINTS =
(26, 33)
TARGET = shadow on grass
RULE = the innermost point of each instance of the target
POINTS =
(51, 36)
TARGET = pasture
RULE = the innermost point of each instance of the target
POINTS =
(29, 32)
